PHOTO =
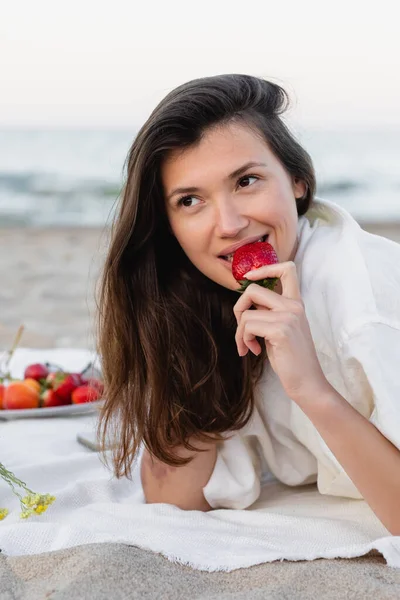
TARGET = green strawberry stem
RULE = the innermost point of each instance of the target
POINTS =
(268, 283)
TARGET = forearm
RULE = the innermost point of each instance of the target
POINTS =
(369, 459)
(180, 486)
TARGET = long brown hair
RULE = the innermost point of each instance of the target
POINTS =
(166, 332)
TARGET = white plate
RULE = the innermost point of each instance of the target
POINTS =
(53, 411)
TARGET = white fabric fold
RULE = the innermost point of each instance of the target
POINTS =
(237, 466)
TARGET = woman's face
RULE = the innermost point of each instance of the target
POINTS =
(227, 191)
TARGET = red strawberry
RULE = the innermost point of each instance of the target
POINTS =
(36, 371)
(63, 384)
(85, 393)
(50, 398)
(79, 378)
(252, 256)
(96, 384)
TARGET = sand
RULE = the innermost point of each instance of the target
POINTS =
(117, 571)
(48, 283)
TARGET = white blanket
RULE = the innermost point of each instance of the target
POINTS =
(92, 506)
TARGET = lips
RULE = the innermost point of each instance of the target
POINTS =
(229, 257)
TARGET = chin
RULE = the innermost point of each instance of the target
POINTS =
(230, 285)
(223, 278)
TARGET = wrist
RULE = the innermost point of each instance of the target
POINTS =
(319, 400)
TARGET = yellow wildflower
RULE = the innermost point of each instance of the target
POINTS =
(32, 503)
(36, 503)
(31, 500)
(40, 509)
(3, 513)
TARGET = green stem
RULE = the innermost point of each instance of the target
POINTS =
(269, 283)
(11, 479)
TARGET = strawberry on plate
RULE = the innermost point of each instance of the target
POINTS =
(49, 398)
(85, 393)
(97, 384)
(36, 371)
(63, 384)
(250, 257)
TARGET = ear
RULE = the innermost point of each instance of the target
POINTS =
(299, 188)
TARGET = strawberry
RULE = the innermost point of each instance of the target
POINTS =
(78, 377)
(92, 376)
(63, 384)
(36, 371)
(250, 257)
(97, 384)
(85, 393)
(49, 398)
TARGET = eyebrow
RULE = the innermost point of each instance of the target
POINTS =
(233, 175)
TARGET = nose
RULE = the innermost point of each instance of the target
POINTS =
(229, 220)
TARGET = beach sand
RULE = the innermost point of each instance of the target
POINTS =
(48, 285)
(48, 279)
(117, 571)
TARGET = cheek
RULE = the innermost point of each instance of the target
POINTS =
(191, 240)
(282, 211)
(191, 233)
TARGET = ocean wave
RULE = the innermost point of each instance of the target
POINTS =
(43, 184)
(45, 200)
(340, 186)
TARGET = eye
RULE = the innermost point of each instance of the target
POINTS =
(246, 178)
(182, 201)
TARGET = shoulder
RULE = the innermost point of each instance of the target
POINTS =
(329, 232)
(346, 274)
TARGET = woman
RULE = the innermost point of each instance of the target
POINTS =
(223, 388)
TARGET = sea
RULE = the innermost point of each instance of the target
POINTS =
(74, 177)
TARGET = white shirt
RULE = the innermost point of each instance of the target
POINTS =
(350, 285)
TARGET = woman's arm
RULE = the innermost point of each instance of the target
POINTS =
(180, 486)
(369, 459)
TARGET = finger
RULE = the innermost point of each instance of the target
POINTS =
(250, 334)
(287, 273)
(251, 343)
(258, 317)
(254, 329)
(260, 296)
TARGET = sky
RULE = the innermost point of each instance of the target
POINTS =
(97, 64)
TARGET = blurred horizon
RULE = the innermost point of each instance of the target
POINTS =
(73, 176)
